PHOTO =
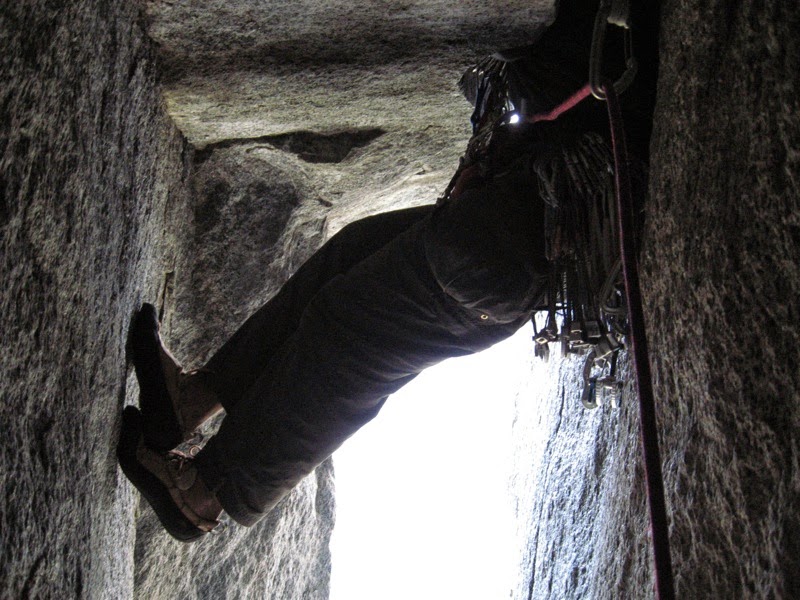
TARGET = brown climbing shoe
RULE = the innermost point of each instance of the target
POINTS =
(174, 403)
(162, 479)
(162, 430)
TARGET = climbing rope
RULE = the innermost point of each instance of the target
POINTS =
(641, 360)
(565, 106)
(616, 12)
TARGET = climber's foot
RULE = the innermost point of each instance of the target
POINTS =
(173, 403)
(170, 484)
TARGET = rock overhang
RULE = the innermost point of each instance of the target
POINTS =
(247, 69)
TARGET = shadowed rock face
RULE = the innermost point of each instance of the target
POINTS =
(92, 173)
(723, 277)
(309, 146)
(297, 117)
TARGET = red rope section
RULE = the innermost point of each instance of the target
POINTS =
(566, 105)
(641, 363)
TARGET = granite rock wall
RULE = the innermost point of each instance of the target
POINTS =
(296, 118)
(720, 281)
(96, 216)
(722, 275)
(106, 204)
(91, 173)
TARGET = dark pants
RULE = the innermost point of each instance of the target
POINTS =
(384, 299)
(391, 295)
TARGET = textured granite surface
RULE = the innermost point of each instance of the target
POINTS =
(721, 276)
(306, 116)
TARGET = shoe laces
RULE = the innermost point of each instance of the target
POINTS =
(188, 449)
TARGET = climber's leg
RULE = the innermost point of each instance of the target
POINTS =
(363, 336)
(174, 403)
(240, 361)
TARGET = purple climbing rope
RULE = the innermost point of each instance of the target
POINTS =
(659, 525)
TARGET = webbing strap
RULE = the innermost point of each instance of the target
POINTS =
(565, 106)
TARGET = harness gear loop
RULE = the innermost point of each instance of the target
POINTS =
(610, 12)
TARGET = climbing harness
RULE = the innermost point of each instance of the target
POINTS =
(593, 297)
(586, 312)
(585, 302)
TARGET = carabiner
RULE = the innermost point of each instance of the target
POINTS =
(610, 12)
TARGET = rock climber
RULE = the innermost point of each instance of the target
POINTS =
(382, 300)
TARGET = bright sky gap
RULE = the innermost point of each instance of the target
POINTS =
(423, 509)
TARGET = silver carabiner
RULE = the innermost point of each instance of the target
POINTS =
(610, 12)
